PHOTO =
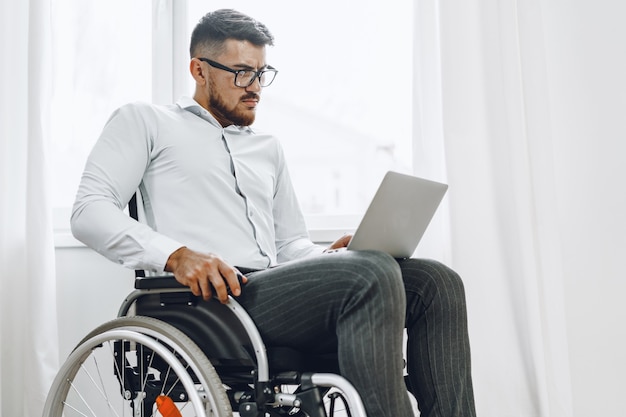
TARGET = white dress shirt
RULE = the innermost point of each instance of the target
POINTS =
(218, 190)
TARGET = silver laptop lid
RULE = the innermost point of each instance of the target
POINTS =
(398, 215)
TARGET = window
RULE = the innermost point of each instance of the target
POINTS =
(341, 103)
(101, 59)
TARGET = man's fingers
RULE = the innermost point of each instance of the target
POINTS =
(342, 242)
(219, 285)
(232, 277)
(214, 283)
(204, 274)
(194, 287)
(205, 288)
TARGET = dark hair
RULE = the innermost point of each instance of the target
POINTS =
(216, 27)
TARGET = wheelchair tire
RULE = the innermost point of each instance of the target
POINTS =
(123, 366)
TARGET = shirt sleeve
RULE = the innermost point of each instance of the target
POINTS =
(112, 174)
(292, 237)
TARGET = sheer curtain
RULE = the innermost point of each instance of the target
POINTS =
(485, 71)
(28, 327)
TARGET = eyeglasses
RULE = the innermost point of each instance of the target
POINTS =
(245, 78)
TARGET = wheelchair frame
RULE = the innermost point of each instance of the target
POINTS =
(262, 382)
(262, 394)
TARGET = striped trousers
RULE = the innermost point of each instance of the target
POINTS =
(357, 303)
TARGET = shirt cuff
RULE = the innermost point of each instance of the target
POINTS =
(159, 251)
(301, 248)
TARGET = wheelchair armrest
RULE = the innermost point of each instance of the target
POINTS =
(163, 281)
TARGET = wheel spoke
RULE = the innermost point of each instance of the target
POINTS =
(120, 367)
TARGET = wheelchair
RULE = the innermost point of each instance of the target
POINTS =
(170, 353)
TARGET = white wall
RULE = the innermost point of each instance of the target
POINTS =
(90, 290)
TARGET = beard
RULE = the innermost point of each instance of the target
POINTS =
(225, 114)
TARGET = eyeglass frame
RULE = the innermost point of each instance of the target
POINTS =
(257, 74)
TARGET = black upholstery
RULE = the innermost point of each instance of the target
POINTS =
(219, 334)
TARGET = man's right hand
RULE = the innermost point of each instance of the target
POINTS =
(204, 273)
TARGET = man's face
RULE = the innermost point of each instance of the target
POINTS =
(227, 102)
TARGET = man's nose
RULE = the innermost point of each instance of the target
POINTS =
(255, 87)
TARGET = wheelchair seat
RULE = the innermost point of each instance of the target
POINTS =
(217, 332)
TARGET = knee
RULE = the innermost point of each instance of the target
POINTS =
(448, 278)
(380, 264)
(435, 283)
(381, 273)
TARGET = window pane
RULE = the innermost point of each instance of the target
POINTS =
(102, 58)
(341, 103)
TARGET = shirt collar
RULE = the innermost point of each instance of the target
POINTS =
(191, 105)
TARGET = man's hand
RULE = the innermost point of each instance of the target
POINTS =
(203, 273)
(342, 242)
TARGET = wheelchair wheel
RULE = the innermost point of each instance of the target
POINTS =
(137, 366)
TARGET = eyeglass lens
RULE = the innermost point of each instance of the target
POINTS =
(246, 78)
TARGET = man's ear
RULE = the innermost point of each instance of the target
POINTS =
(197, 72)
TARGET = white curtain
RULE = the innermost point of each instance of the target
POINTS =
(28, 326)
(482, 90)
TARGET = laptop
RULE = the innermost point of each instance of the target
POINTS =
(398, 215)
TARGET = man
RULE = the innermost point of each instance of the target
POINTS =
(218, 197)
